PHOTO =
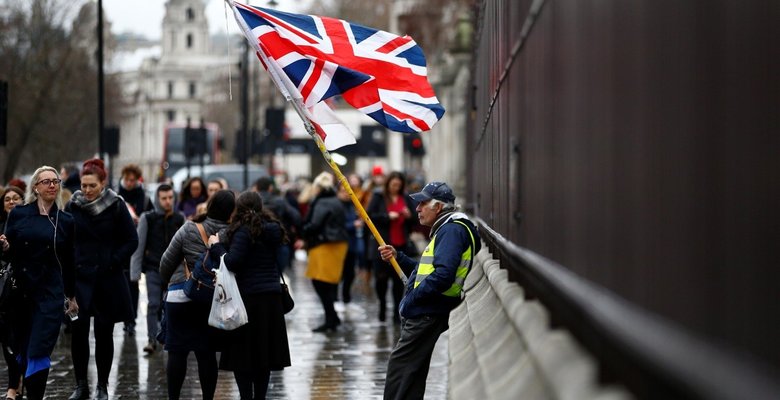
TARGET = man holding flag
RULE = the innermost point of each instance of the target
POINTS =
(434, 288)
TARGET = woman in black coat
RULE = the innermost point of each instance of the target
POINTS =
(12, 197)
(392, 212)
(105, 240)
(39, 242)
(259, 347)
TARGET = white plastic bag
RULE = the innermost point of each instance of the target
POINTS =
(227, 307)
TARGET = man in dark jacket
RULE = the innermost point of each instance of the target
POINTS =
(155, 231)
(433, 290)
(132, 191)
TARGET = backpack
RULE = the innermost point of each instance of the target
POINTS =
(199, 286)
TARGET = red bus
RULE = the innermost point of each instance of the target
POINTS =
(174, 156)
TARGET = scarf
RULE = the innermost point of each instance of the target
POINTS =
(106, 199)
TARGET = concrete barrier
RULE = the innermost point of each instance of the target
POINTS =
(501, 346)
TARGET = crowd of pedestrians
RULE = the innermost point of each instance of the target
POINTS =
(91, 251)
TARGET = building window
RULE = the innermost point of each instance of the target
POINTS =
(190, 14)
(189, 40)
(193, 90)
(171, 115)
(170, 89)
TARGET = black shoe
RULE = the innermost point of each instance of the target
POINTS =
(150, 347)
(129, 329)
(81, 392)
(324, 328)
(382, 316)
(101, 392)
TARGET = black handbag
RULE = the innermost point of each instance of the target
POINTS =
(7, 286)
(287, 301)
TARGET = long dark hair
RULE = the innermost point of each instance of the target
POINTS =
(394, 175)
(185, 191)
(251, 213)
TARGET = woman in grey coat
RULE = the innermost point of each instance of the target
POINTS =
(187, 328)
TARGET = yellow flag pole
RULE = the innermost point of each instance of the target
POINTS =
(345, 184)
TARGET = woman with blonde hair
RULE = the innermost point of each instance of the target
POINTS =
(39, 242)
(325, 235)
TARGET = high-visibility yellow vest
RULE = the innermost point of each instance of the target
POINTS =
(426, 265)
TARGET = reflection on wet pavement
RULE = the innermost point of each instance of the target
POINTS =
(347, 364)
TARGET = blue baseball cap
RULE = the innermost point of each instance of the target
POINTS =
(434, 190)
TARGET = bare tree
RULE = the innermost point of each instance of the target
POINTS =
(52, 110)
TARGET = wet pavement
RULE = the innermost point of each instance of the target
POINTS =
(347, 364)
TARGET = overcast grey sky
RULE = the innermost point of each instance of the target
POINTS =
(145, 16)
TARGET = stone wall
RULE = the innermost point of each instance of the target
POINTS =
(501, 346)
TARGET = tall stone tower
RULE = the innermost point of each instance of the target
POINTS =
(170, 87)
(185, 29)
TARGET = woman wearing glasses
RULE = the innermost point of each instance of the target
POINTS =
(105, 240)
(39, 242)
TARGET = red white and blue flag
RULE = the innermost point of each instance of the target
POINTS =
(313, 58)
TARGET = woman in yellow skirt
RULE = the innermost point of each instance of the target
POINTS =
(326, 238)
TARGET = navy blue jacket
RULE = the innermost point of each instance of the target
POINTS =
(452, 240)
(104, 244)
(46, 276)
(253, 262)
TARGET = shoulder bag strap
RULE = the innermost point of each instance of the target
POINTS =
(205, 239)
(203, 235)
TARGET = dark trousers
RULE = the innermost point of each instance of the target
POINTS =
(408, 365)
(252, 384)
(347, 277)
(154, 294)
(35, 385)
(327, 293)
(384, 273)
(134, 293)
(177, 371)
(14, 371)
(104, 348)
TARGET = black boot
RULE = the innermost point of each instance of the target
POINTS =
(81, 392)
(101, 392)
(382, 311)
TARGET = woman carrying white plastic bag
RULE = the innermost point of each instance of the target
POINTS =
(227, 307)
(250, 247)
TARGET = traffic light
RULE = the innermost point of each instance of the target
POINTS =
(413, 144)
(195, 141)
(111, 140)
(274, 122)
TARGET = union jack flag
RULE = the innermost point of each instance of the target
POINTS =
(314, 58)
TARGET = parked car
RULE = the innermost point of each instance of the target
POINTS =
(232, 173)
